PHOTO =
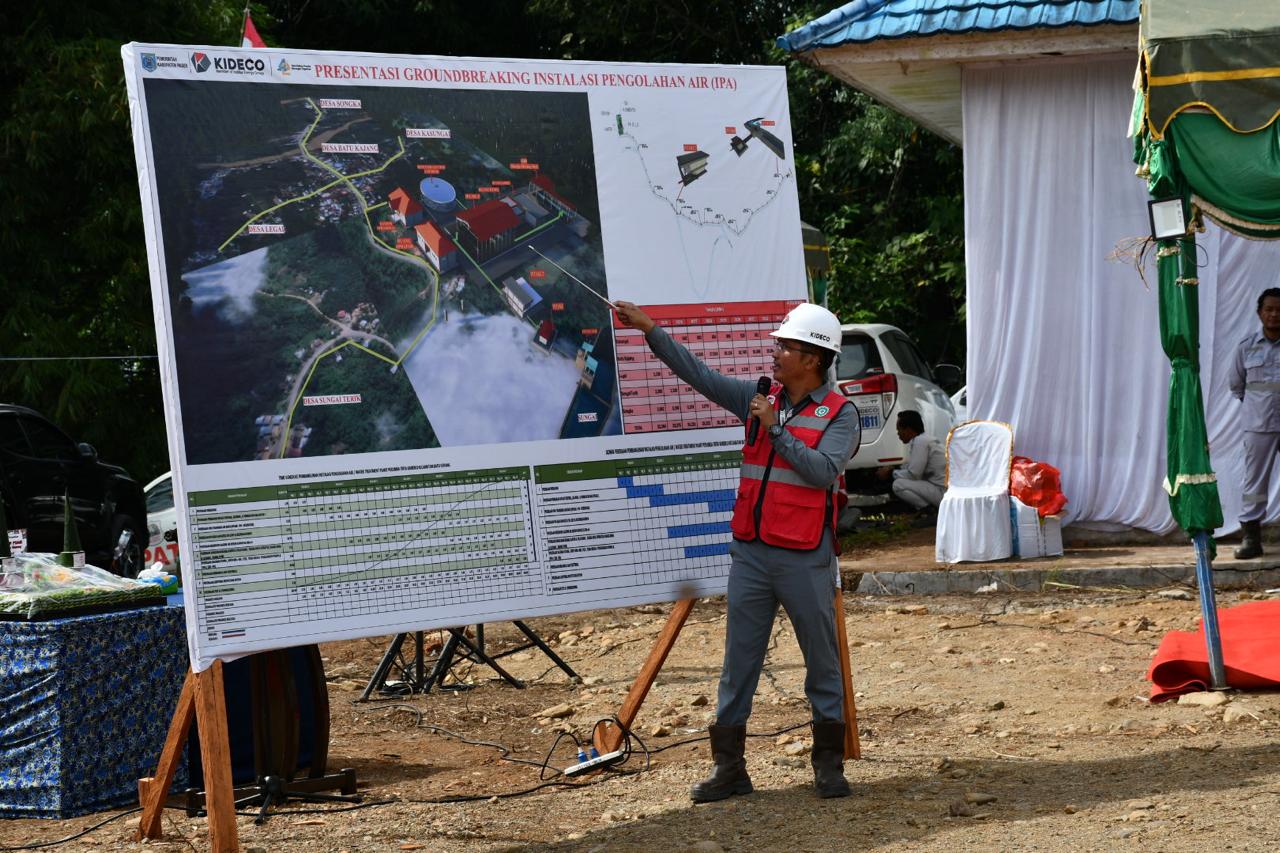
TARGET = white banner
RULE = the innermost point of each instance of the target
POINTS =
(395, 393)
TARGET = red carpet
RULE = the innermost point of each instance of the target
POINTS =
(1250, 652)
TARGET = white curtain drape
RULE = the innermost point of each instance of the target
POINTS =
(1063, 344)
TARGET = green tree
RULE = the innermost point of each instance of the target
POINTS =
(888, 196)
(75, 283)
(886, 193)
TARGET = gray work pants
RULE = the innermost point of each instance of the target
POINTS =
(1260, 450)
(917, 494)
(804, 583)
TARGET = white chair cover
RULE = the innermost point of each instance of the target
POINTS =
(973, 519)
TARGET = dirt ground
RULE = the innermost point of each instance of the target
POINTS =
(1032, 707)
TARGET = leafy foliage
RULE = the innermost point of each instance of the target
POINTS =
(885, 193)
(75, 273)
(888, 197)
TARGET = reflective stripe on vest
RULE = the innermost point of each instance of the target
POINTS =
(775, 504)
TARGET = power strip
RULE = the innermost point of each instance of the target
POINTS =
(594, 763)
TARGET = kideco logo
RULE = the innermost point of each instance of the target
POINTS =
(820, 336)
(200, 62)
(239, 64)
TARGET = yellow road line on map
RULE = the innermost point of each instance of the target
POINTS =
(263, 213)
(288, 424)
(373, 234)
(478, 267)
(435, 309)
(341, 178)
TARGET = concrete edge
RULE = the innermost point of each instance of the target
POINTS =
(949, 581)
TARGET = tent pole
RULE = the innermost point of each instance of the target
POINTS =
(1209, 611)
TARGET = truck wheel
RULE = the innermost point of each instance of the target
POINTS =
(130, 562)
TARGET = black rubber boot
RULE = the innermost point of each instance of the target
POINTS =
(828, 759)
(1251, 545)
(728, 743)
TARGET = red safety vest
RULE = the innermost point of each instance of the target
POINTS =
(774, 504)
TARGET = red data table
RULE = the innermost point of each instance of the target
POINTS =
(729, 337)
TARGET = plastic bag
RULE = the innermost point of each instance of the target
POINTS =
(34, 586)
(1037, 484)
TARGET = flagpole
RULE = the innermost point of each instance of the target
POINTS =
(244, 23)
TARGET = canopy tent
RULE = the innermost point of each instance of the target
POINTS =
(1060, 335)
(1204, 128)
(1217, 55)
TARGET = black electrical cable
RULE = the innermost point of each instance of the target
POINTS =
(44, 844)
(472, 798)
(627, 735)
(69, 358)
(546, 762)
(507, 752)
(687, 741)
(286, 812)
(626, 748)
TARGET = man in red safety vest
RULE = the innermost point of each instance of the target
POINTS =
(784, 539)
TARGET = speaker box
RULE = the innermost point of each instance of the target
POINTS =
(277, 717)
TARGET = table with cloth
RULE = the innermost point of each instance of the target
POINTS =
(85, 704)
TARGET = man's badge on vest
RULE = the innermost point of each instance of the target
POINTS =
(821, 411)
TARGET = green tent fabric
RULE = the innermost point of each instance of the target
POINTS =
(1234, 177)
(1210, 94)
(1190, 480)
(1219, 55)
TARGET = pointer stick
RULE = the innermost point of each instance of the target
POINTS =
(574, 277)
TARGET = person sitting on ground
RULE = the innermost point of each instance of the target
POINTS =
(920, 481)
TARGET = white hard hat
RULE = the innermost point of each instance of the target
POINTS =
(812, 324)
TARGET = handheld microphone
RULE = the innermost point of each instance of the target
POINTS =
(753, 423)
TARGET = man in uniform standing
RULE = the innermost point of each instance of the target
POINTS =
(1255, 381)
(784, 543)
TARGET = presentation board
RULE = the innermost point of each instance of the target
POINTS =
(396, 395)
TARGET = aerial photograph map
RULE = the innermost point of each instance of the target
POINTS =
(362, 269)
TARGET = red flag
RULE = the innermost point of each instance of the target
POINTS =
(250, 37)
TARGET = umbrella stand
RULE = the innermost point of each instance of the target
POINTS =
(1209, 611)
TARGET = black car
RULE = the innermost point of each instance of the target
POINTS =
(39, 464)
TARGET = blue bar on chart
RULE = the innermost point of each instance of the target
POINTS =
(636, 523)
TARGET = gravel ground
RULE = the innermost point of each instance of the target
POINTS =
(987, 723)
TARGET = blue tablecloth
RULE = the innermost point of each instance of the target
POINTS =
(85, 704)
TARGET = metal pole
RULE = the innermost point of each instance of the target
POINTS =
(1209, 612)
(379, 677)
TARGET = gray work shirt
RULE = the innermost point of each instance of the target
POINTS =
(1255, 381)
(819, 466)
(925, 461)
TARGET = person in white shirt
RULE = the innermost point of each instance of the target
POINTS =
(921, 480)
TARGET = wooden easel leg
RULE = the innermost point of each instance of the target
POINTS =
(215, 755)
(609, 738)
(153, 790)
(852, 747)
